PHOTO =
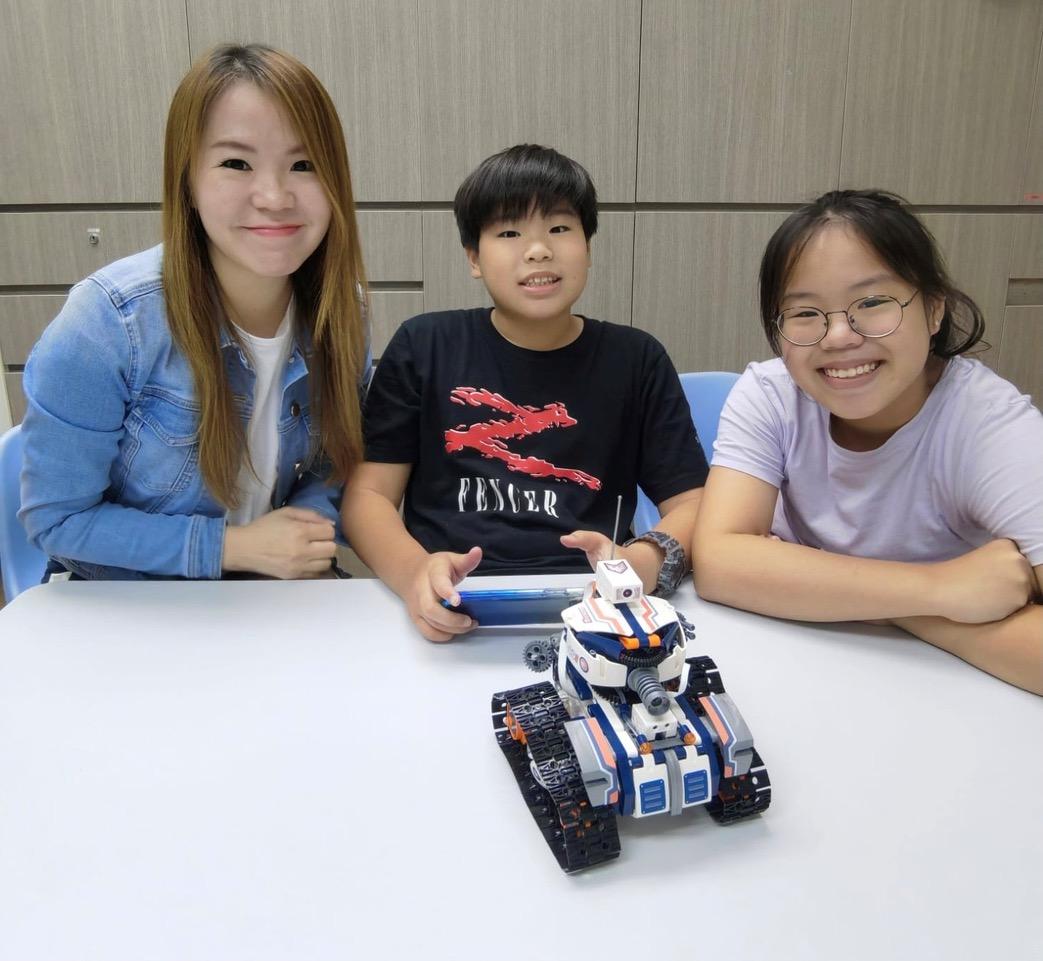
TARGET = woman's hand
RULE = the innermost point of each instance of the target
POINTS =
(288, 543)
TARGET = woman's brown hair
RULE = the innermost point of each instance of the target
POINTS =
(326, 287)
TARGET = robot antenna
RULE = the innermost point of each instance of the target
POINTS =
(615, 527)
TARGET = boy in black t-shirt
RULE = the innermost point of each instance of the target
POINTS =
(511, 431)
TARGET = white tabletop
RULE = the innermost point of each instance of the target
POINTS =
(262, 770)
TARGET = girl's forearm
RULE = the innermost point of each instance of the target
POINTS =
(1011, 649)
(769, 576)
(772, 577)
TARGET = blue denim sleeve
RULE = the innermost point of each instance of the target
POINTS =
(78, 383)
(313, 492)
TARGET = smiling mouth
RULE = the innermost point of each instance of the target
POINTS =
(845, 373)
(540, 280)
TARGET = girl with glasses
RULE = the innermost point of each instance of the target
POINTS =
(871, 471)
(193, 409)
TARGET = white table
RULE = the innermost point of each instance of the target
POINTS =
(261, 770)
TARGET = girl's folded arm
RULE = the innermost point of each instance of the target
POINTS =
(1011, 648)
(738, 563)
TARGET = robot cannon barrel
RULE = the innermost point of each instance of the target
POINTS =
(645, 684)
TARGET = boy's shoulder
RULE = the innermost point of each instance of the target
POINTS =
(425, 336)
(608, 335)
(625, 334)
(436, 323)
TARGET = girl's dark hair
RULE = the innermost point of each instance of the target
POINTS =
(513, 183)
(901, 241)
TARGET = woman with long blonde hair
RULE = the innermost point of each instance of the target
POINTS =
(193, 409)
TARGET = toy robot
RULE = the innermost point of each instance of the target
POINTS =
(631, 725)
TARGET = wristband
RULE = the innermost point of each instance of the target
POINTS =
(674, 566)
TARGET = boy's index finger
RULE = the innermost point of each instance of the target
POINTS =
(442, 584)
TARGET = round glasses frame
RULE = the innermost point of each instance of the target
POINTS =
(826, 314)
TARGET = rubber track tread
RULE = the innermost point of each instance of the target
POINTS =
(579, 835)
(739, 798)
(703, 678)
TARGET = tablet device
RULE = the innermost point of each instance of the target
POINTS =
(504, 607)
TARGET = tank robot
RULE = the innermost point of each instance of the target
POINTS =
(631, 724)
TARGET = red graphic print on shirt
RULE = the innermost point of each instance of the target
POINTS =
(488, 437)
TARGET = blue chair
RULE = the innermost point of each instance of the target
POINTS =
(21, 565)
(706, 390)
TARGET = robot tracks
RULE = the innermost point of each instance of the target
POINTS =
(529, 729)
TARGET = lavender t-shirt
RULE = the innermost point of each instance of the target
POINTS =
(967, 469)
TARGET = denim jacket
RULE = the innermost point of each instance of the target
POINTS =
(111, 486)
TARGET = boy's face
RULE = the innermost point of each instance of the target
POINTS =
(535, 268)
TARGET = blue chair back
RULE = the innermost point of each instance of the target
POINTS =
(706, 390)
(21, 564)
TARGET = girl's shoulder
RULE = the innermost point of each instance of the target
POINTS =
(977, 423)
(768, 383)
(973, 392)
(971, 374)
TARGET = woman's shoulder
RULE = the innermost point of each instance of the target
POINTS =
(118, 311)
(132, 277)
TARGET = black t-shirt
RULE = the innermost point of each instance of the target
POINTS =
(511, 448)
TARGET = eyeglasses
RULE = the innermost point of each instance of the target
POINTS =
(875, 316)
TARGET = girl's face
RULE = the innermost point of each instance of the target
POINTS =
(258, 197)
(871, 386)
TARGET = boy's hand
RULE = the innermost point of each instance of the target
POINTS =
(435, 580)
(987, 584)
(595, 545)
(287, 543)
(646, 559)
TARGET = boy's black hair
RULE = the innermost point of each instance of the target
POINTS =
(513, 183)
(883, 221)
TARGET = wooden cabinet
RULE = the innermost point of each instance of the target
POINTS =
(741, 101)
(1026, 258)
(499, 72)
(695, 285)
(1032, 185)
(55, 247)
(939, 98)
(85, 94)
(1022, 348)
(977, 249)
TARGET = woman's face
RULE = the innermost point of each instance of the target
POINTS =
(258, 197)
(872, 386)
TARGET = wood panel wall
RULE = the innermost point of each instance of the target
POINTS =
(702, 122)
